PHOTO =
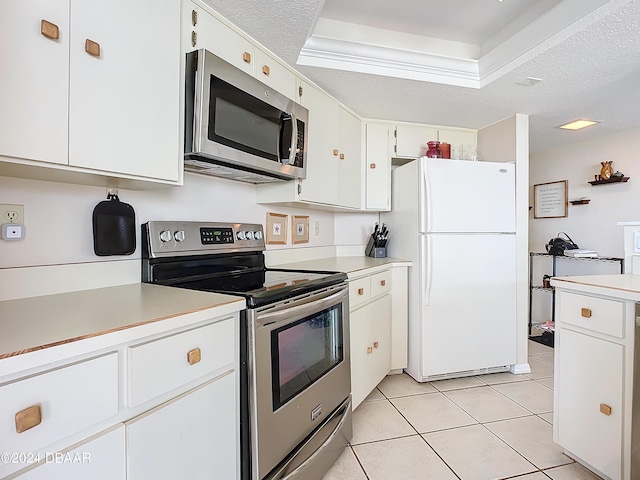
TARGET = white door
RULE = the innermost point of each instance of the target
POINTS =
(124, 111)
(464, 196)
(101, 458)
(192, 437)
(468, 298)
(35, 80)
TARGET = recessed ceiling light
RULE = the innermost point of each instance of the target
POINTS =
(578, 124)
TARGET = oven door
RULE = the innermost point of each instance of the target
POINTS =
(240, 121)
(300, 384)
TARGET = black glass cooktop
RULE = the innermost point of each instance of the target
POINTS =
(266, 286)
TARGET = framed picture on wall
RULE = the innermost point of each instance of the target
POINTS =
(299, 229)
(276, 228)
(550, 200)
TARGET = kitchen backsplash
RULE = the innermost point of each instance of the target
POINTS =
(59, 229)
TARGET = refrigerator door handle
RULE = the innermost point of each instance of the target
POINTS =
(427, 269)
(425, 198)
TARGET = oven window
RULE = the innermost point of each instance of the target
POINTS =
(304, 351)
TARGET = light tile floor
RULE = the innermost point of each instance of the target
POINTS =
(487, 427)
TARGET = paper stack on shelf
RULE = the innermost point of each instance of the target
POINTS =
(578, 252)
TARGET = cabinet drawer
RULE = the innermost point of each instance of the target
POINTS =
(359, 291)
(159, 366)
(53, 405)
(380, 283)
(597, 314)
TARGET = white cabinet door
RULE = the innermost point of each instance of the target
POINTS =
(350, 179)
(221, 40)
(124, 104)
(272, 73)
(370, 330)
(321, 184)
(411, 140)
(377, 167)
(34, 80)
(194, 436)
(461, 141)
(101, 458)
(590, 375)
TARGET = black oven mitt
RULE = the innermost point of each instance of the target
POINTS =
(114, 227)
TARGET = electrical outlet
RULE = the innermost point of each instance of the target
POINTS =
(316, 227)
(11, 213)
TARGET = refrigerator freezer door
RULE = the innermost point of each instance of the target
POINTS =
(468, 302)
(464, 196)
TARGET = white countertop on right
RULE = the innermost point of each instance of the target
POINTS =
(353, 266)
(626, 287)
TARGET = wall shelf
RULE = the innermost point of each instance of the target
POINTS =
(610, 180)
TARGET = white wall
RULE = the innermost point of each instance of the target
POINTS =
(594, 225)
(59, 229)
(506, 141)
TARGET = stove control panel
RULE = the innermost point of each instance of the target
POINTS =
(217, 236)
(186, 238)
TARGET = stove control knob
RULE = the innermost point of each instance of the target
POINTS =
(165, 236)
(249, 235)
(241, 235)
(257, 235)
(179, 236)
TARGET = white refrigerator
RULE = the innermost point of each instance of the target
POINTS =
(455, 220)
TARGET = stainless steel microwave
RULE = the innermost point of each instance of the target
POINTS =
(239, 128)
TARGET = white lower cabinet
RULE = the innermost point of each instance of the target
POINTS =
(162, 406)
(193, 436)
(594, 362)
(590, 402)
(100, 458)
(370, 322)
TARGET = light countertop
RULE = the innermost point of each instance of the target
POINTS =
(626, 287)
(36, 323)
(353, 266)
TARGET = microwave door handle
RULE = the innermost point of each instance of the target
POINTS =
(294, 140)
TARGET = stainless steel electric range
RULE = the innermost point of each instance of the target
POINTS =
(295, 387)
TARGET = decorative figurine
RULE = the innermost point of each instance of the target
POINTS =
(607, 170)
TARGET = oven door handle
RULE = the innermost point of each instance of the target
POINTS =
(310, 306)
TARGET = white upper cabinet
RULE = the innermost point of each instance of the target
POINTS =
(273, 73)
(206, 31)
(99, 92)
(377, 166)
(334, 158)
(124, 112)
(321, 184)
(202, 29)
(350, 181)
(411, 140)
(35, 77)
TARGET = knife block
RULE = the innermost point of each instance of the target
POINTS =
(371, 251)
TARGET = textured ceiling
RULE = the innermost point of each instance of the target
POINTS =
(594, 72)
